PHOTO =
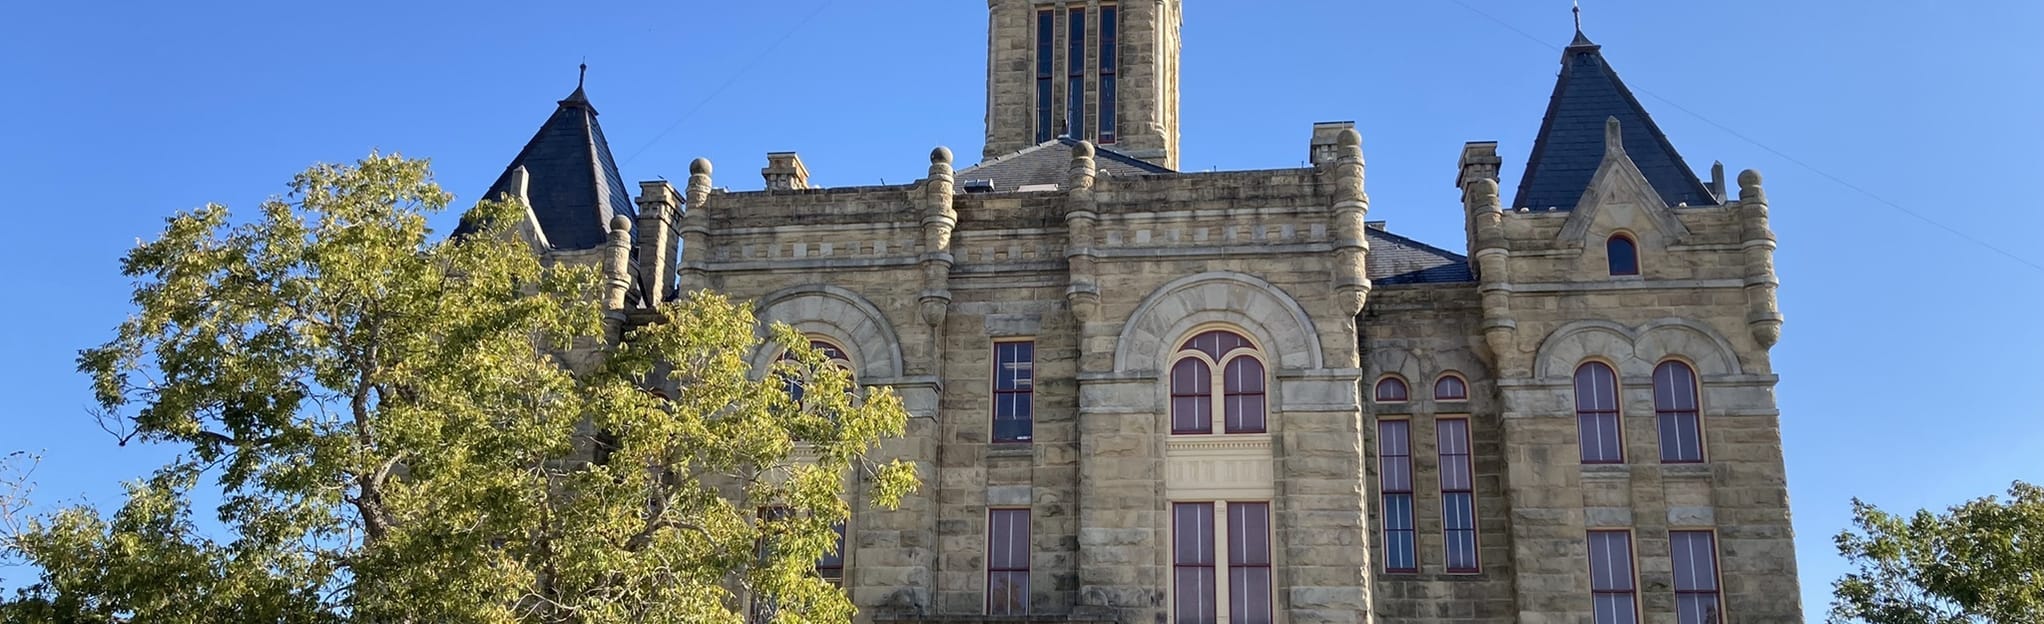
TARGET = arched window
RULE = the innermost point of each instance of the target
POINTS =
(1675, 407)
(1239, 386)
(1450, 387)
(836, 355)
(1623, 254)
(1597, 414)
(1391, 389)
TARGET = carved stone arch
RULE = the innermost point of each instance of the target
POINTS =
(1572, 343)
(1397, 361)
(1700, 344)
(842, 316)
(1269, 316)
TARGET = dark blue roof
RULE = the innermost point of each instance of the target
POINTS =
(1396, 259)
(573, 181)
(1050, 162)
(1571, 141)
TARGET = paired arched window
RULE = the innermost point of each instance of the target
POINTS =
(1597, 414)
(1451, 387)
(1391, 389)
(836, 355)
(1675, 407)
(1217, 366)
(1622, 254)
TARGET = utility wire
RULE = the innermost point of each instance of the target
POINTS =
(731, 80)
(1780, 154)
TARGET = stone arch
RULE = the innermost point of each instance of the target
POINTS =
(1635, 351)
(1404, 363)
(841, 316)
(1269, 316)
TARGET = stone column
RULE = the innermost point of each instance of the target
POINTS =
(1763, 315)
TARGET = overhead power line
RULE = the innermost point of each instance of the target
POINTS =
(728, 81)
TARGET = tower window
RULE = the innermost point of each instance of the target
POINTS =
(1394, 481)
(1676, 412)
(1597, 414)
(1046, 29)
(1695, 556)
(1075, 68)
(1007, 561)
(1623, 254)
(1458, 495)
(1108, 22)
(1612, 594)
(1014, 390)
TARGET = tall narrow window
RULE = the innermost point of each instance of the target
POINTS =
(1450, 387)
(1597, 414)
(1676, 412)
(1075, 68)
(1249, 578)
(1108, 23)
(832, 565)
(1390, 390)
(1007, 562)
(1046, 31)
(1193, 587)
(1014, 390)
(1394, 479)
(1623, 255)
(1239, 386)
(1612, 597)
(1458, 495)
(1695, 555)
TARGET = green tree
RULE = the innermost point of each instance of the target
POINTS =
(389, 420)
(1978, 563)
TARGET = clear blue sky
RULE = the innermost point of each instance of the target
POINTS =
(1909, 359)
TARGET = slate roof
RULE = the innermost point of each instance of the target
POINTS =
(573, 181)
(1396, 259)
(1570, 145)
(1050, 162)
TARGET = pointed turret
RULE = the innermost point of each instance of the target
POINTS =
(1571, 140)
(573, 186)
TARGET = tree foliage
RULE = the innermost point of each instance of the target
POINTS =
(1978, 563)
(391, 424)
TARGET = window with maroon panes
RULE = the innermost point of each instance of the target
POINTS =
(1394, 479)
(1622, 254)
(1238, 387)
(1677, 414)
(1451, 388)
(1597, 415)
(1390, 390)
(1193, 589)
(1014, 390)
(1458, 495)
(1249, 580)
(832, 565)
(1695, 556)
(1613, 597)
(1007, 562)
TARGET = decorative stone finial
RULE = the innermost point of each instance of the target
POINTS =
(1614, 137)
(699, 166)
(1083, 150)
(1349, 137)
(1749, 178)
(940, 155)
(620, 223)
(1483, 187)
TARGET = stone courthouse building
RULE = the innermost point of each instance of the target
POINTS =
(1141, 395)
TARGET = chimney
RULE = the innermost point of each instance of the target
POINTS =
(1324, 151)
(784, 172)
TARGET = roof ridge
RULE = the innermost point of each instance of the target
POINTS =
(1414, 241)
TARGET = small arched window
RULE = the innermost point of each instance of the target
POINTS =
(1450, 387)
(1597, 414)
(1623, 254)
(1391, 389)
(1238, 386)
(1675, 408)
(831, 351)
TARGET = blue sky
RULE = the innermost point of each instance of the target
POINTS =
(1903, 362)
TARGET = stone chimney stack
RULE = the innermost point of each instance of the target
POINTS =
(784, 172)
(1324, 149)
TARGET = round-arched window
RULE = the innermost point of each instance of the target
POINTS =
(1451, 387)
(1222, 367)
(1391, 389)
(1623, 254)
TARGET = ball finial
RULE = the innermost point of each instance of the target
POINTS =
(699, 166)
(1083, 150)
(1349, 136)
(940, 155)
(1749, 178)
(620, 223)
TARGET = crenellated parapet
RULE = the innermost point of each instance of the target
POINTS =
(692, 273)
(1081, 219)
(1351, 205)
(939, 220)
(1763, 314)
